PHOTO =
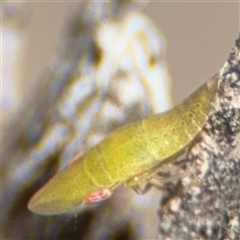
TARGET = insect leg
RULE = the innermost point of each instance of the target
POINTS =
(156, 183)
(163, 174)
(151, 182)
(141, 191)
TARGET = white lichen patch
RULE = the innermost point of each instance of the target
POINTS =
(174, 204)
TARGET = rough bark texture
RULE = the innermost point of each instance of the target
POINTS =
(205, 203)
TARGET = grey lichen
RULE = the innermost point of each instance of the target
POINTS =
(205, 203)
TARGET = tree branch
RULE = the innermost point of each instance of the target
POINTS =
(205, 204)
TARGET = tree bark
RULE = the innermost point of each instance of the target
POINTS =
(205, 202)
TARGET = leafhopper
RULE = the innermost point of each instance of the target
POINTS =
(126, 152)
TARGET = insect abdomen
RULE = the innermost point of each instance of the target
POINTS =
(126, 152)
(169, 132)
(138, 146)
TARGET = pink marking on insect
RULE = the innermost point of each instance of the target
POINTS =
(98, 196)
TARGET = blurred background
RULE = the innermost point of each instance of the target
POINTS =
(199, 36)
(194, 39)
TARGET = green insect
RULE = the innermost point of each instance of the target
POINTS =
(125, 153)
